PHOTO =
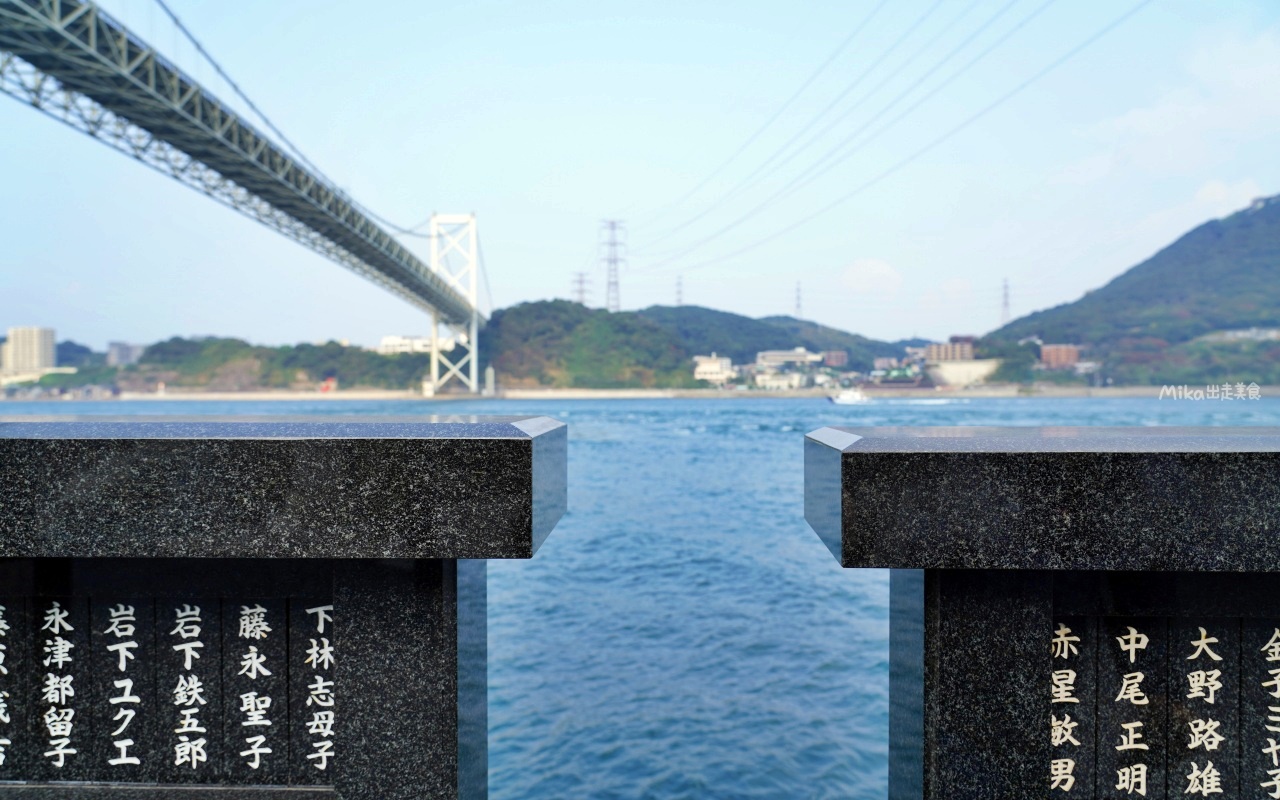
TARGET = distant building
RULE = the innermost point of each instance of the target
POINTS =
(883, 363)
(1243, 335)
(28, 351)
(121, 354)
(951, 351)
(713, 369)
(393, 345)
(1059, 356)
(781, 381)
(835, 358)
(777, 359)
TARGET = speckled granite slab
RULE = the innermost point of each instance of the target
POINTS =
(1190, 499)
(320, 487)
(248, 609)
(1074, 612)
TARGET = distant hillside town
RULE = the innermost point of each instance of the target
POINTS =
(1204, 310)
(952, 363)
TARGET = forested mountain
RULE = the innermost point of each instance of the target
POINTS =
(1223, 275)
(564, 344)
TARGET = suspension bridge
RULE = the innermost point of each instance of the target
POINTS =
(73, 62)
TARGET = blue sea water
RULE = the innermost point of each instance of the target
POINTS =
(682, 633)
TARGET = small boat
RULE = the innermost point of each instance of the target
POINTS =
(850, 397)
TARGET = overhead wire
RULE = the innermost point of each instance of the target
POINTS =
(834, 157)
(776, 114)
(884, 55)
(815, 138)
(932, 144)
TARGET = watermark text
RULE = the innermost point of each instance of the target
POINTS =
(1225, 391)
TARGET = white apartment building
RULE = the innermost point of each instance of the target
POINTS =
(391, 345)
(28, 351)
(775, 359)
(714, 369)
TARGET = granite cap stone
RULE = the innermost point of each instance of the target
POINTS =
(1100, 498)
(270, 487)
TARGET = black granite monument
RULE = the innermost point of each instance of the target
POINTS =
(257, 609)
(1075, 612)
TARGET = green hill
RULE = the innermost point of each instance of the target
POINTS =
(705, 330)
(1223, 275)
(559, 343)
(702, 331)
(564, 344)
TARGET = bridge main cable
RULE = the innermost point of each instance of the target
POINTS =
(72, 61)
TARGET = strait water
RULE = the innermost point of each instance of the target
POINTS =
(682, 633)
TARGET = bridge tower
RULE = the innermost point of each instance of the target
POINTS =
(455, 251)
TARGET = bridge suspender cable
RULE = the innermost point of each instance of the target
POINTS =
(235, 87)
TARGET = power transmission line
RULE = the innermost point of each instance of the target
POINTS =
(911, 29)
(1004, 305)
(776, 115)
(932, 144)
(833, 156)
(831, 124)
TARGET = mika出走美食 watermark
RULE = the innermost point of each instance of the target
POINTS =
(1225, 391)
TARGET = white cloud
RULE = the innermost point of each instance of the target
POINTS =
(1219, 198)
(1227, 98)
(871, 276)
(1215, 198)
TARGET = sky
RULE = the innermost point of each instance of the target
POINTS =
(897, 160)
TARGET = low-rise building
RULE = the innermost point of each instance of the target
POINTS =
(883, 363)
(1059, 356)
(835, 358)
(714, 369)
(781, 381)
(394, 345)
(777, 359)
(960, 348)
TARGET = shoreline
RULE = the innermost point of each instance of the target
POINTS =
(353, 395)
